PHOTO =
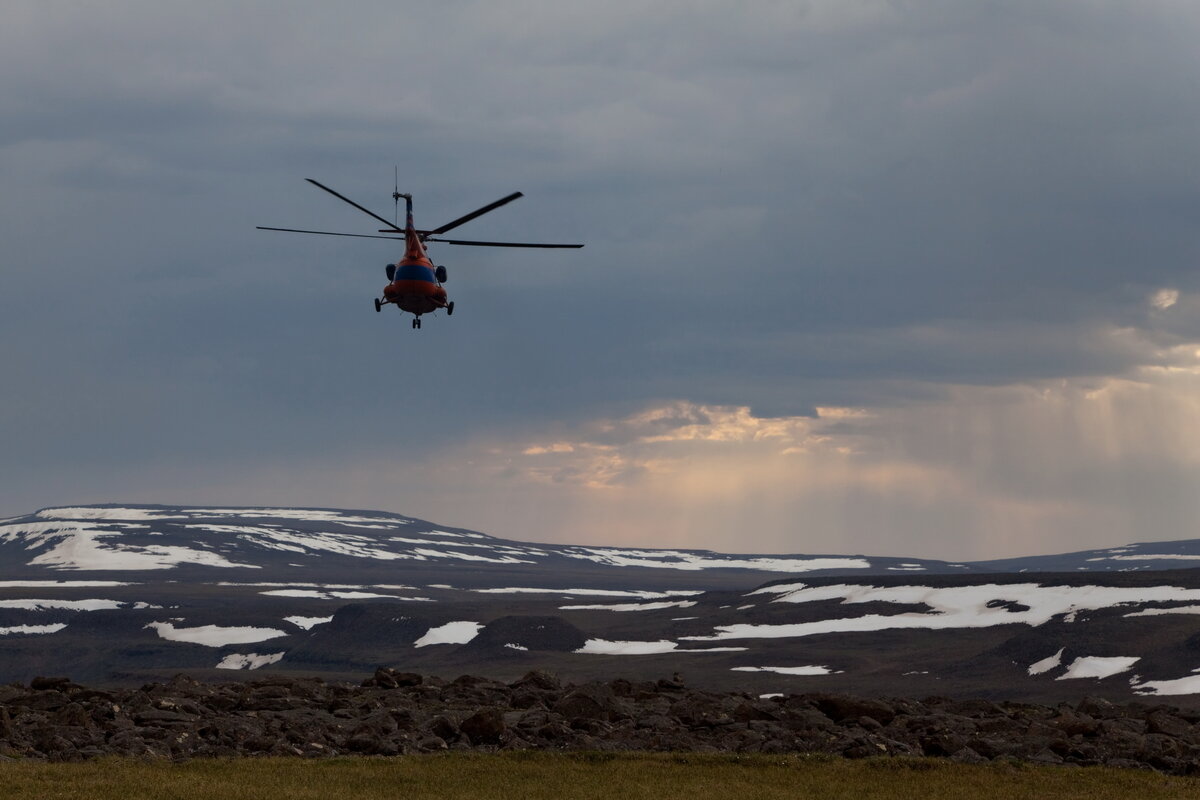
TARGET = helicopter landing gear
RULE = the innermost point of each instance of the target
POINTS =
(416, 323)
(378, 305)
(450, 308)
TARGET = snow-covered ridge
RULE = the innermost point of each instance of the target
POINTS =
(121, 538)
(133, 538)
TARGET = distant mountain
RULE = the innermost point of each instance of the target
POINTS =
(124, 539)
(1148, 556)
(122, 594)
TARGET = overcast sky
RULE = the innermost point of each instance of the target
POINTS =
(897, 278)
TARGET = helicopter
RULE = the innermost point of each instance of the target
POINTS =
(414, 283)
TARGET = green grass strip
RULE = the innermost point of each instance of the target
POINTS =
(601, 776)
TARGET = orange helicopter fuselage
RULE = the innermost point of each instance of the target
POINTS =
(414, 287)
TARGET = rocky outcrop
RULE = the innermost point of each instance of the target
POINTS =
(394, 713)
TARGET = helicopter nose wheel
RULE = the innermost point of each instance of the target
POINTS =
(378, 305)
(450, 308)
(416, 323)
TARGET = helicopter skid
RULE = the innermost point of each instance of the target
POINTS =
(415, 296)
(418, 305)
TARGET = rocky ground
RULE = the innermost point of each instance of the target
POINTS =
(394, 713)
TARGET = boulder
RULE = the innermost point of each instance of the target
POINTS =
(697, 709)
(538, 679)
(1075, 724)
(1166, 723)
(443, 728)
(590, 701)
(967, 756)
(485, 726)
(839, 707)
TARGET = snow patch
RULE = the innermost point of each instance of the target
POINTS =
(1047, 664)
(352, 586)
(1098, 667)
(1155, 557)
(1154, 612)
(88, 546)
(632, 606)
(450, 633)
(77, 512)
(345, 544)
(496, 548)
(66, 605)
(62, 584)
(214, 635)
(249, 660)
(645, 595)
(58, 626)
(697, 560)
(307, 623)
(427, 553)
(334, 595)
(604, 647)
(437, 532)
(303, 514)
(1189, 684)
(951, 607)
(806, 670)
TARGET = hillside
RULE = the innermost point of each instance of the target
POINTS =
(121, 594)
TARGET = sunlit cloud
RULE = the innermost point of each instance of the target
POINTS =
(556, 447)
(670, 439)
(980, 472)
(1164, 298)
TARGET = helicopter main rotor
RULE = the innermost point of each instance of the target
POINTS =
(425, 235)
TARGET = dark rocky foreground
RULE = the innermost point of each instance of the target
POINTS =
(394, 713)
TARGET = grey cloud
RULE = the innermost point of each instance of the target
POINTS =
(813, 204)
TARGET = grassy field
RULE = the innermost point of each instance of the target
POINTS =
(600, 776)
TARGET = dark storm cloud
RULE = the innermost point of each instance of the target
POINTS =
(813, 204)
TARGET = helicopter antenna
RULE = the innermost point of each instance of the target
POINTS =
(396, 195)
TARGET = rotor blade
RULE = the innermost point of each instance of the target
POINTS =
(499, 244)
(478, 212)
(391, 226)
(330, 233)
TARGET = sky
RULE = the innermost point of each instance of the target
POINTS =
(912, 278)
